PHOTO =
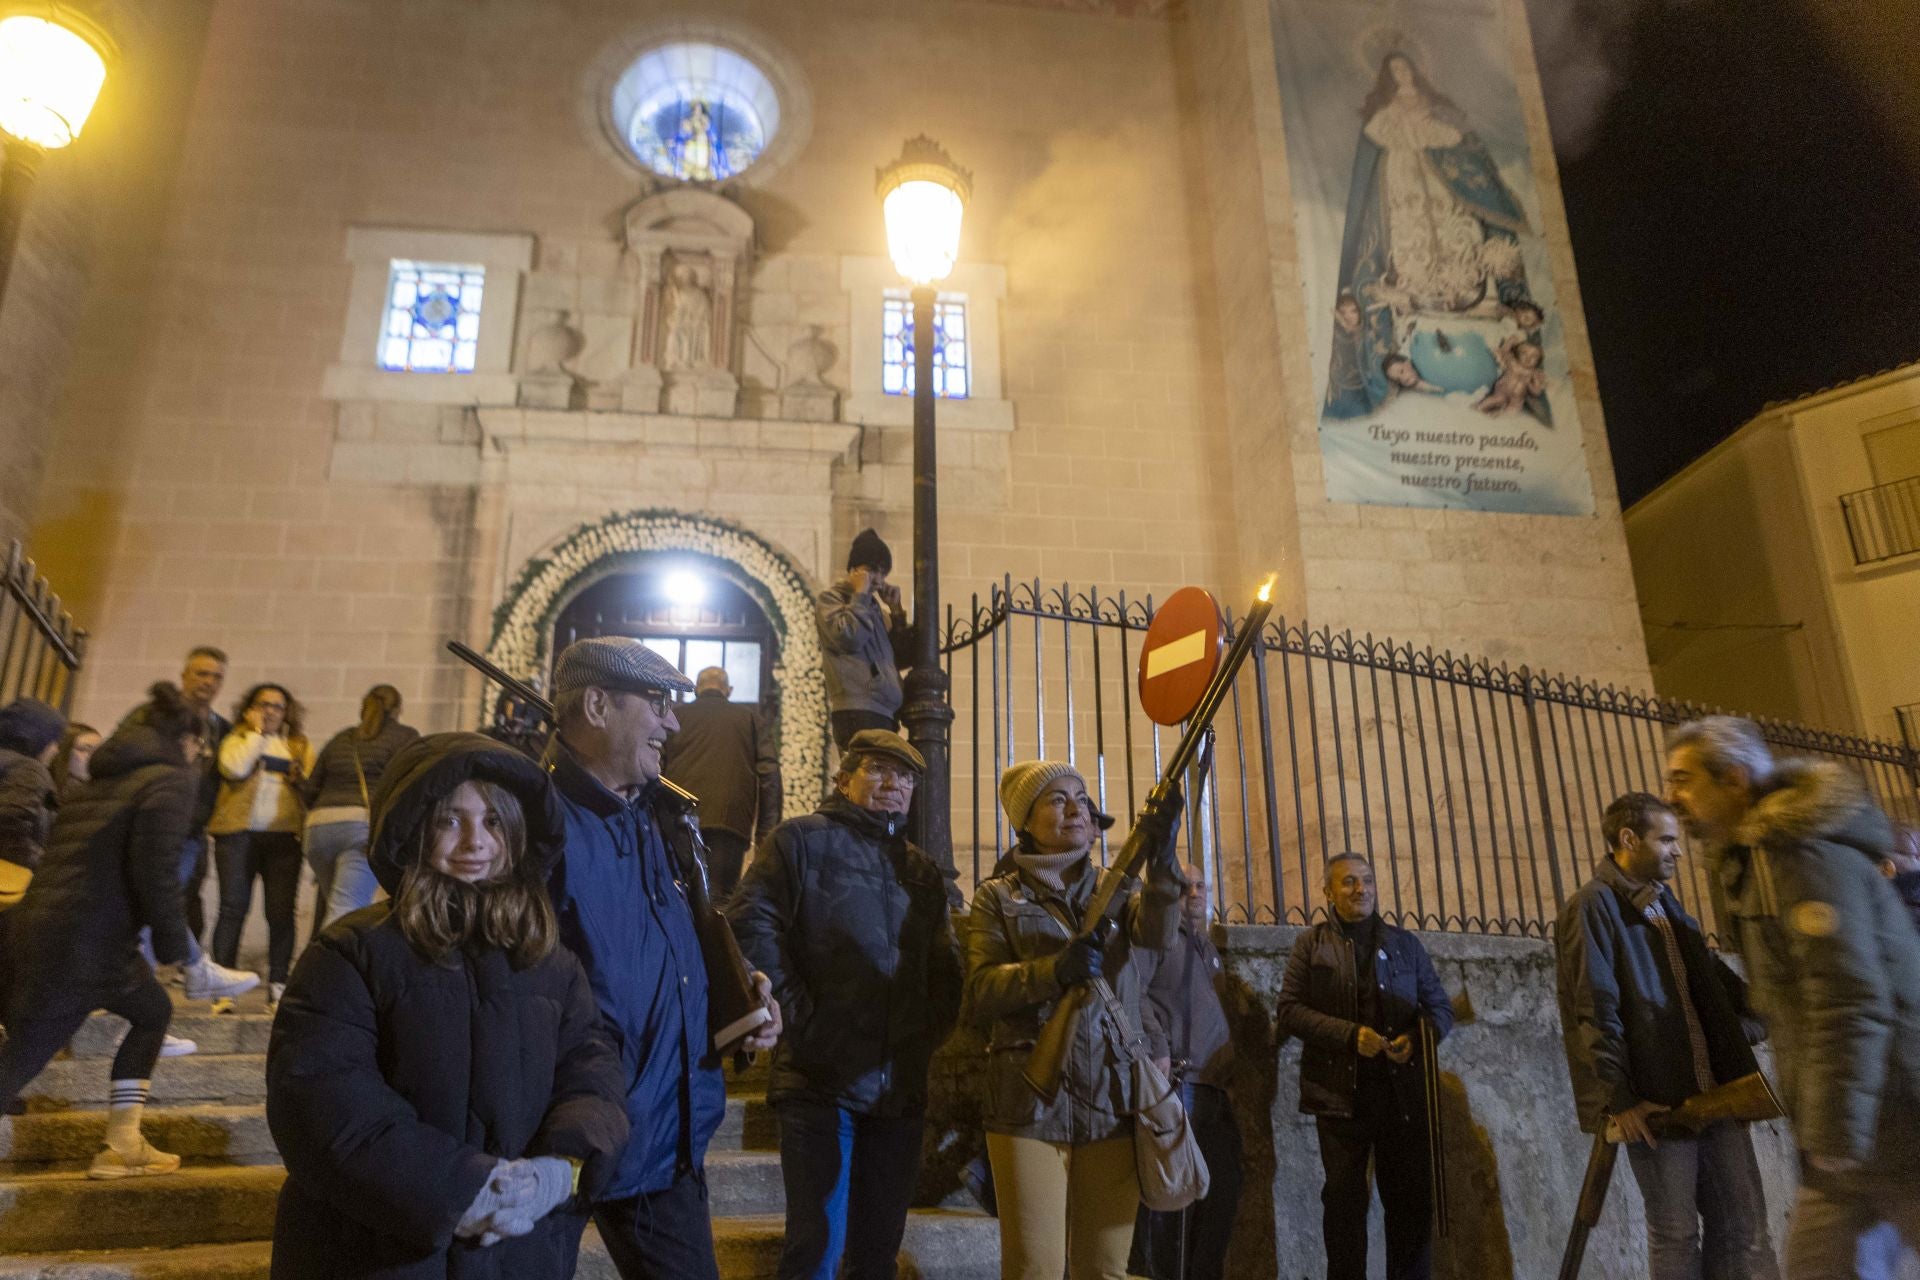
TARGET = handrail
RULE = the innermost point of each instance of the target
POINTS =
(1883, 521)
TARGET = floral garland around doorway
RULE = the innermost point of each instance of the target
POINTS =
(523, 624)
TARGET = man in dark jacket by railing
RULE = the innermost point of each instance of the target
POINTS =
(850, 922)
(1650, 1018)
(723, 753)
(1354, 989)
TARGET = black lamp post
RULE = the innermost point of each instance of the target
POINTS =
(924, 196)
(53, 62)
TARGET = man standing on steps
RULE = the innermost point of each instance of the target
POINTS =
(864, 634)
(850, 921)
(1650, 1018)
(723, 753)
(623, 911)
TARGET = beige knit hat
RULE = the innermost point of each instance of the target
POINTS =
(1021, 785)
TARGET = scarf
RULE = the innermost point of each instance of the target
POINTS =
(1049, 869)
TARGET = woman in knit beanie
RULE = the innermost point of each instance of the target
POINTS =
(1023, 954)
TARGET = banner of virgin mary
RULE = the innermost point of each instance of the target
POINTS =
(1437, 335)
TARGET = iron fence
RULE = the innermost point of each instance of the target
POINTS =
(1476, 787)
(40, 646)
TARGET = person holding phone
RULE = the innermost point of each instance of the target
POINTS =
(256, 827)
(865, 635)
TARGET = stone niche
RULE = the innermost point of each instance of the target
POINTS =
(687, 252)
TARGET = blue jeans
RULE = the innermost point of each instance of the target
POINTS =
(343, 882)
(1712, 1180)
(849, 1181)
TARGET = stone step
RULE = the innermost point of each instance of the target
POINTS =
(44, 1211)
(48, 1212)
(199, 1077)
(938, 1246)
(214, 1033)
(236, 1135)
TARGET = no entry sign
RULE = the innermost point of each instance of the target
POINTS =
(1179, 655)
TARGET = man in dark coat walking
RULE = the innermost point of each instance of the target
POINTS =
(723, 753)
(1355, 987)
(1651, 1017)
(623, 910)
(1833, 964)
(850, 922)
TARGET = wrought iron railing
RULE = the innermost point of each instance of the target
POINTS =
(40, 647)
(1477, 788)
(1884, 521)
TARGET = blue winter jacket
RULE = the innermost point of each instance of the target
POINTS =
(623, 911)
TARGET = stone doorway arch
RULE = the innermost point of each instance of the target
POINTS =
(523, 625)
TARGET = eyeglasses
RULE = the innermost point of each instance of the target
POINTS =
(882, 770)
(263, 705)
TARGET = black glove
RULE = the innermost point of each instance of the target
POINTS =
(1159, 826)
(1080, 962)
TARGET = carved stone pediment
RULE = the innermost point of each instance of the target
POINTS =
(688, 252)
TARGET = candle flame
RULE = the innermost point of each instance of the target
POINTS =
(1266, 588)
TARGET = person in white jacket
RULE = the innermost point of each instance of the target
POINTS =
(256, 825)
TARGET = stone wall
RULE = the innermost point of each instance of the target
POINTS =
(1515, 1154)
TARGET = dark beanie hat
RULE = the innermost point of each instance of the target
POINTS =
(870, 552)
(30, 726)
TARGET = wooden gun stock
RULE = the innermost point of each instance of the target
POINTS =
(1748, 1100)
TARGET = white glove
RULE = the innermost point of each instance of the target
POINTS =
(547, 1184)
(508, 1180)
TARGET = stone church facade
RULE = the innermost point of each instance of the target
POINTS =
(659, 367)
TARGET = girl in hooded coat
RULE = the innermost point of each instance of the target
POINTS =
(438, 1081)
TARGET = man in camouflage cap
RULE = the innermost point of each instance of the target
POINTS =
(617, 894)
(850, 922)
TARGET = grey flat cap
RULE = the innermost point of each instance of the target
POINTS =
(616, 662)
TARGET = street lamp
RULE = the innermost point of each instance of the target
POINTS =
(53, 62)
(924, 195)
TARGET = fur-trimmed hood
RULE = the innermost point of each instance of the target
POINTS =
(1816, 800)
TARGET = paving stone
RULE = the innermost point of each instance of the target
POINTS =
(200, 1077)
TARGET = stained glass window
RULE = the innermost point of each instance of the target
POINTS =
(696, 112)
(433, 317)
(951, 372)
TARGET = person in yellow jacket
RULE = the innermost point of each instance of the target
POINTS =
(256, 825)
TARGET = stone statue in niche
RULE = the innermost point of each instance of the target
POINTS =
(687, 320)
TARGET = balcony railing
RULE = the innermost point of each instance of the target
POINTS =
(1884, 521)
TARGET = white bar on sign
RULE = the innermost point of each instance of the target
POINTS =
(1174, 654)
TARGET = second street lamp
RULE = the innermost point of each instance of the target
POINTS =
(53, 62)
(924, 197)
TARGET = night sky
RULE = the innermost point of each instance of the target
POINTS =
(1742, 190)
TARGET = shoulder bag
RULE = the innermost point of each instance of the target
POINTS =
(1172, 1172)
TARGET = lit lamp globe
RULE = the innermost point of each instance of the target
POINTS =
(53, 63)
(924, 195)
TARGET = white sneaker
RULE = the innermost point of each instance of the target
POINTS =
(178, 1047)
(210, 981)
(274, 991)
(148, 1160)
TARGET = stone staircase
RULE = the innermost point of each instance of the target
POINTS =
(214, 1219)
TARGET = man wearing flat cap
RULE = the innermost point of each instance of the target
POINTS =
(866, 639)
(616, 891)
(850, 922)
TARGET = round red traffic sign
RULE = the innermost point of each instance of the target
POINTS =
(1180, 654)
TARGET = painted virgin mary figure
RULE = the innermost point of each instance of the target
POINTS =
(1431, 228)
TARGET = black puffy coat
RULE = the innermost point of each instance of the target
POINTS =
(850, 923)
(27, 802)
(112, 865)
(394, 1084)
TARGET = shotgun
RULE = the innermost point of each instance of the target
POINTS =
(1749, 1099)
(1046, 1065)
(734, 1010)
